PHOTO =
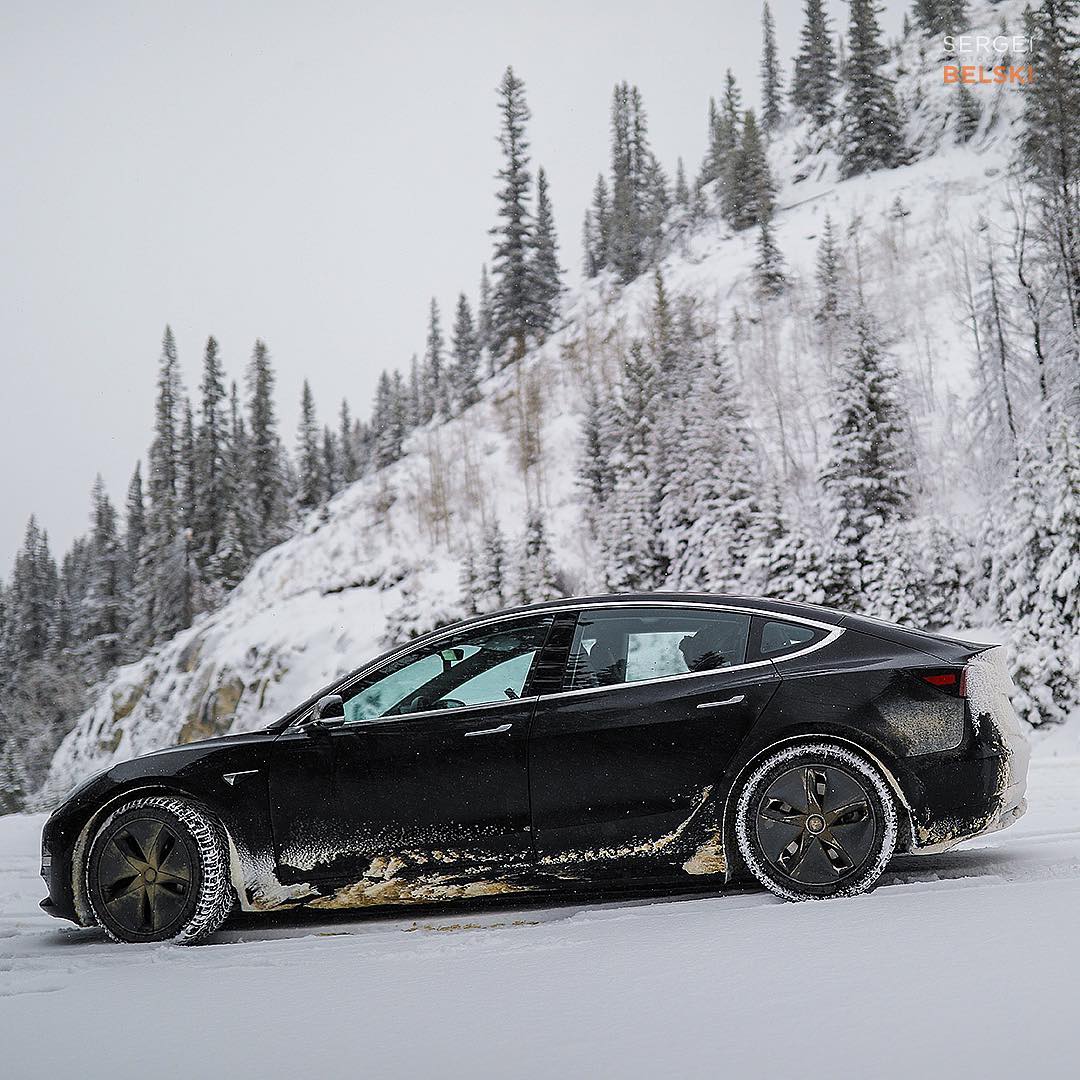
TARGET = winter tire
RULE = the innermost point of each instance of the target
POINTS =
(158, 870)
(816, 821)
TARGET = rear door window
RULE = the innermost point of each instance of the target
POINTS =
(612, 646)
(774, 638)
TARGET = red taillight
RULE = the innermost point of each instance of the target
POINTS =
(949, 681)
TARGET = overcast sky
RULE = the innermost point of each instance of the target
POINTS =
(308, 173)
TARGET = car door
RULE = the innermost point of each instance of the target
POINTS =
(656, 699)
(428, 768)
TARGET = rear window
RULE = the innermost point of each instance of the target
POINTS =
(773, 638)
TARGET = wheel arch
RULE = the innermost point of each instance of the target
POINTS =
(735, 866)
(135, 789)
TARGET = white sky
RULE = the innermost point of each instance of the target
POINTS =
(308, 173)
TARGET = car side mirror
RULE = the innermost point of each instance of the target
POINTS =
(329, 712)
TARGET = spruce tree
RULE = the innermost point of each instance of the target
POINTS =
(331, 467)
(967, 114)
(210, 466)
(872, 136)
(813, 86)
(267, 461)
(434, 378)
(102, 616)
(309, 462)
(638, 187)
(466, 353)
(867, 479)
(483, 319)
(596, 230)
(748, 190)
(187, 471)
(491, 590)
(350, 468)
(536, 577)
(769, 264)
(829, 274)
(513, 235)
(234, 551)
(681, 192)
(545, 285)
(771, 92)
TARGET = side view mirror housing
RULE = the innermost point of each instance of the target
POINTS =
(329, 712)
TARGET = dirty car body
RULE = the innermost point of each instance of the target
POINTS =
(575, 742)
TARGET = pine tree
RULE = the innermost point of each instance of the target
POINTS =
(513, 236)
(545, 285)
(434, 380)
(187, 471)
(331, 467)
(814, 84)
(30, 601)
(829, 275)
(867, 480)
(466, 354)
(596, 471)
(309, 462)
(681, 192)
(748, 190)
(233, 554)
(491, 591)
(387, 428)
(872, 136)
(632, 555)
(638, 187)
(209, 464)
(709, 504)
(968, 114)
(536, 577)
(102, 616)
(597, 229)
(267, 461)
(771, 93)
(769, 264)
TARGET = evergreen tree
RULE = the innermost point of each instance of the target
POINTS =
(638, 188)
(483, 319)
(434, 379)
(748, 190)
(267, 461)
(967, 114)
(209, 464)
(31, 598)
(309, 461)
(466, 353)
(331, 468)
(829, 274)
(536, 578)
(597, 229)
(545, 285)
(491, 591)
(513, 236)
(814, 84)
(187, 471)
(633, 559)
(102, 616)
(867, 480)
(771, 93)
(596, 471)
(232, 556)
(872, 136)
(769, 264)
(350, 468)
(681, 193)
(387, 429)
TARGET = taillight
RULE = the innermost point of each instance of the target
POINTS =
(948, 680)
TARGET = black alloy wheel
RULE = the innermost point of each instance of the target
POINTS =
(816, 821)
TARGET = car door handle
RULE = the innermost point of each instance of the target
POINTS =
(720, 704)
(490, 731)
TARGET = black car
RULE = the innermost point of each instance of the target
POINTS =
(611, 739)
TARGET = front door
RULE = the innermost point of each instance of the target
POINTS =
(623, 762)
(425, 783)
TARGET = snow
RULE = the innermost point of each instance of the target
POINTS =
(959, 964)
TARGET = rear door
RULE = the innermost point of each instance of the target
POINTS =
(654, 704)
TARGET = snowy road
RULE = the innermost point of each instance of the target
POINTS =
(965, 964)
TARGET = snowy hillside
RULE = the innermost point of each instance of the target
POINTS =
(384, 558)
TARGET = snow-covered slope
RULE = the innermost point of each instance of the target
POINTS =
(383, 559)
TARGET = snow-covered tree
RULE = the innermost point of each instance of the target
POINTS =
(466, 356)
(813, 87)
(771, 81)
(309, 462)
(545, 275)
(872, 135)
(513, 234)
(209, 465)
(535, 577)
(268, 467)
(491, 589)
(749, 189)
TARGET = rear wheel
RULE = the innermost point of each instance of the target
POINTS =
(158, 871)
(816, 821)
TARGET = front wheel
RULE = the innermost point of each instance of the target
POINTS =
(816, 821)
(158, 871)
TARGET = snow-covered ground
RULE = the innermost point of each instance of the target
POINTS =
(964, 964)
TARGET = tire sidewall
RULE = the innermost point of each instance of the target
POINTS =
(835, 756)
(153, 809)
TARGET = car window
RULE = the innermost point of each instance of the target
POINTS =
(778, 637)
(487, 664)
(613, 646)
